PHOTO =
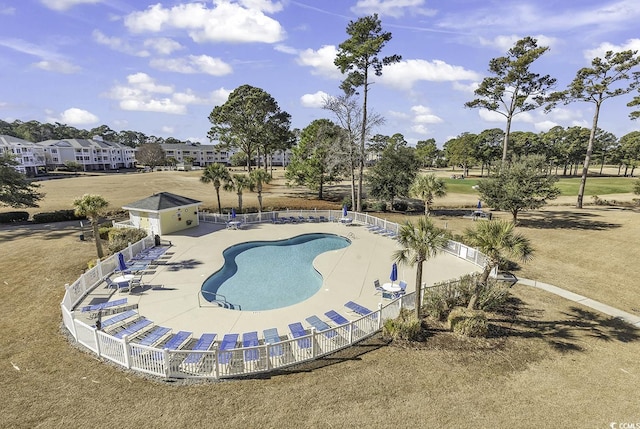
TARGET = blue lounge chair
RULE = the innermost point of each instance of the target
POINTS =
(313, 219)
(297, 330)
(229, 341)
(118, 318)
(250, 339)
(103, 305)
(321, 326)
(323, 219)
(357, 308)
(154, 336)
(176, 341)
(336, 317)
(203, 344)
(133, 329)
(271, 336)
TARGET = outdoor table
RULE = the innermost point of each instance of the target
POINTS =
(346, 220)
(391, 287)
(121, 280)
(234, 224)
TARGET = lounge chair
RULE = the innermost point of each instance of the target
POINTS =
(376, 284)
(103, 305)
(357, 308)
(313, 219)
(374, 228)
(178, 340)
(203, 344)
(137, 327)
(323, 219)
(229, 341)
(336, 317)
(250, 339)
(321, 326)
(297, 331)
(154, 336)
(272, 337)
(118, 318)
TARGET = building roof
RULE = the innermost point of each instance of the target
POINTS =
(161, 201)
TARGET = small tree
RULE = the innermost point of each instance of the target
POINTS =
(217, 174)
(15, 190)
(150, 155)
(93, 207)
(513, 88)
(524, 184)
(419, 243)
(237, 184)
(428, 187)
(258, 178)
(495, 239)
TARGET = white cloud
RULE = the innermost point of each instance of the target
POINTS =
(285, 49)
(75, 116)
(321, 61)
(490, 116)
(468, 88)
(227, 21)
(59, 66)
(118, 44)
(394, 8)
(398, 115)
(600, 51)
(192, 64)
(163, 45)
(167, 129)
(423, 115)
(66, 4)
(504, 43)
(316, 100)
(143, 93)
(544, 125)
(404, 74)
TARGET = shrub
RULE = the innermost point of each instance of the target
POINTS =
(57, 216)
(14, 217)
(404, 327)
(400, 206)
(346, 201)
(119, 238)
(470, 323)
(380, 206)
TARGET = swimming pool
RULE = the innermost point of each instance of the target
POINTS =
(265, 275)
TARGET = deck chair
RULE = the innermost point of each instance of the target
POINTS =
(297, 331)
(357, 308)
(154, 336)
(376, 284)
(118, 318)
(250, 339)
(272, 337)
(229, 341)
(203, 344)
(321, 326)
(336, 317)
(178, 340)
(134, 329)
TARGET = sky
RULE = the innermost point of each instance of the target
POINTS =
(161, 67)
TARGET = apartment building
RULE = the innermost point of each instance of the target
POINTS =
(92, 154)
(30, 156)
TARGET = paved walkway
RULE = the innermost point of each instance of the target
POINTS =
(587, 302)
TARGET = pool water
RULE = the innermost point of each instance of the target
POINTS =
(265, 275)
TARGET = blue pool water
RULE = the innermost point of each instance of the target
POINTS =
(264, 275)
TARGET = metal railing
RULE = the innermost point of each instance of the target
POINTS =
(241, 361)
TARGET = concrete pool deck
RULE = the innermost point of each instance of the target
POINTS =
(348, 275)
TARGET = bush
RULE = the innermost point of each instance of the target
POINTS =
(470, 323)
(400, 206)
(346, 201)
(404, 327)
(441, 298)
(14, 217)
(57, 216)
(119, 238)
(380, 206)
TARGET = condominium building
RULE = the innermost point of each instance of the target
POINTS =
(92, 154)
(30, 156)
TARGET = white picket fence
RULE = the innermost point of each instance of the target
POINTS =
(242, 361)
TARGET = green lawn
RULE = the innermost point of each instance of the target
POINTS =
(569, 187)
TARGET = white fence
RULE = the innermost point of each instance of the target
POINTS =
(242, 361)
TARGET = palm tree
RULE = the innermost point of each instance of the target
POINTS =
(238, 183)
(427, 188)
(92, 206)
(496, 239)
(259, 177)
(420, 242)
(216, 174)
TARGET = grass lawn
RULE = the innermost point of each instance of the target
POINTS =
(545, 365)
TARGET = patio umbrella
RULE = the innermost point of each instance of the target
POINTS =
(394, 273)
(479, 204)
(344, 211)
(233, 213)
(122, 266)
